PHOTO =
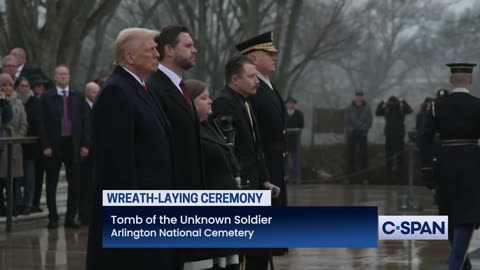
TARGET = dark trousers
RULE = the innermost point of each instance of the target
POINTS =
(459, 237)
(24, 199)
(294, 156)
(54, 165)
(356, 144)
(3, 198)
(256, 262)
(394, 157)
(86, 191)
(39, 175)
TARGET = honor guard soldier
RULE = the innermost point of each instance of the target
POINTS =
(456, 118)
(269, 109)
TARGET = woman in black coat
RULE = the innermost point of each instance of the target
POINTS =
(219, 165)
(218, 159)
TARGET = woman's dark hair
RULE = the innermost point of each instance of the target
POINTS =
(19, 81)
(195, 88)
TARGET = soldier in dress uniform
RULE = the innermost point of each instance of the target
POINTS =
(269, 109)
(456, 118)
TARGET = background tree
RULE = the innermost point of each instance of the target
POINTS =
(52, 32)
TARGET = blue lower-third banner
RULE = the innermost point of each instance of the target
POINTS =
(242, 227)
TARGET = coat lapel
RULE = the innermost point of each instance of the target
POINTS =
(160, 111)
(172, 90)
(245, 113)
(178, 98)
(146, 97)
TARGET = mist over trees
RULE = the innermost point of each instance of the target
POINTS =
(327, 48)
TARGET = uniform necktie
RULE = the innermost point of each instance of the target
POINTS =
(247, 106)
(186, 93)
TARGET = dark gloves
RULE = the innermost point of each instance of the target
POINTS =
(427, 178)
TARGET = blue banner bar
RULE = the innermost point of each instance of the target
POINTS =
(240, 227)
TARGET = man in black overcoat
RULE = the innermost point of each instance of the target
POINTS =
(240, 75)
(132, 148)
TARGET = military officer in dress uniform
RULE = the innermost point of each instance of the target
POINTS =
(269, 109)
(456, 118)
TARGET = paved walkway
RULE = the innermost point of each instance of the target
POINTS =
(31, 246)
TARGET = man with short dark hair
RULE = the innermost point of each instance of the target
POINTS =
(177, 55)
(242, 82)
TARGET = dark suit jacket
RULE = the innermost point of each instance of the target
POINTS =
(185, 132)
(132, 150)
(51, 108)
(247, 150)
(394, 112)
(271, 114)
(29, 70)
(32, 151)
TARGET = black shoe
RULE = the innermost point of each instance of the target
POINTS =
(72, 224)
(36, 209)
(26, 211)
(52, 224)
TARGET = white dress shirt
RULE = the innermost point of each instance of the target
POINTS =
(172, 76)
(461, 90)
(19, 70)
(60, 90)
(265, 79)
(135, 76)
(89, 103)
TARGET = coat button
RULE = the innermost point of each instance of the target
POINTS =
(284, 132)
(284, 155)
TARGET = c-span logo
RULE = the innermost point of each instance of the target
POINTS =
(413, 227)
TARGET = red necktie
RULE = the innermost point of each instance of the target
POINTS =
(186, 93)
(145, 87)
